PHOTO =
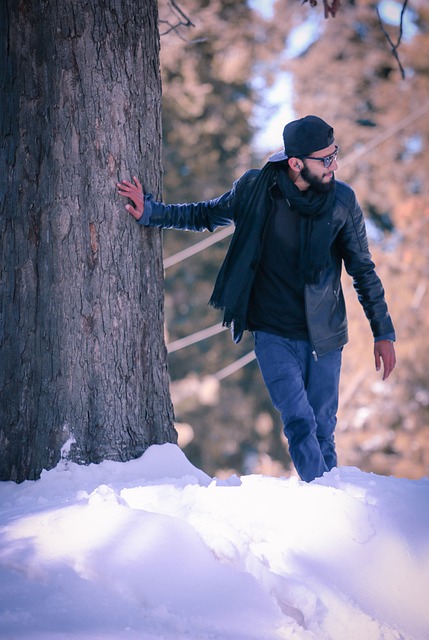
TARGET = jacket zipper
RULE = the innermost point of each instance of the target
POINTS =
(314, 352)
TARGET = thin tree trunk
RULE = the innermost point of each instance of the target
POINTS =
(82, 354)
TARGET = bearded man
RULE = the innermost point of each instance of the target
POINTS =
(295, 227)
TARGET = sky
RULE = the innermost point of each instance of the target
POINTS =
(154, 548)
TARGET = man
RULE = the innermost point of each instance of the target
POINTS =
(281, 279)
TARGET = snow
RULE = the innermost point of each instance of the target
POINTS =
(156, 549)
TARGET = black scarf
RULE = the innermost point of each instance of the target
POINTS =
(315, 210)
(234, 281)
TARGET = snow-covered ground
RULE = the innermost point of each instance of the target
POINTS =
(156, 549)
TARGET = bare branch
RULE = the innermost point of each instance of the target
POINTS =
(394, 47)
(332, 6)
(182, 19)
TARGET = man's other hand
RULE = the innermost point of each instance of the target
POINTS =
(384, 350)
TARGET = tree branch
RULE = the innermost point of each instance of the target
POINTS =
(394, 47)
(182, 18)
(332, 6)
(182, 21)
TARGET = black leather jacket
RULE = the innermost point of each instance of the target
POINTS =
(325, 305)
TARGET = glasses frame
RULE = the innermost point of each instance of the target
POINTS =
(327, 160)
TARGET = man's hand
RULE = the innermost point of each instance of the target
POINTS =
(385, 350)
(135, 193)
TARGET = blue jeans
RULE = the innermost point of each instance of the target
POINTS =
(305, 392)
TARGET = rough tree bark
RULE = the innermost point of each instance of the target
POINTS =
(82, 354)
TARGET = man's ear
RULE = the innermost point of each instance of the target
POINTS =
(295, 164)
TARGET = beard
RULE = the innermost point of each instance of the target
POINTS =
(315, 182)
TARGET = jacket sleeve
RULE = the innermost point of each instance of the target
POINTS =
(360, 266)
(200, 216)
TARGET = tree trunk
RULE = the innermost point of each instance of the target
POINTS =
(82, 354)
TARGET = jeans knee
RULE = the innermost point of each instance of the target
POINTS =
(297, 431)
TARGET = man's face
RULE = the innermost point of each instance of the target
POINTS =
(314, 172)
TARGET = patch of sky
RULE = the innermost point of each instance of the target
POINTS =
(265, 7)
(303, 36)
(272, 115)
(390, 13)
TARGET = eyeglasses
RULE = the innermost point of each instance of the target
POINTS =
(327, 160)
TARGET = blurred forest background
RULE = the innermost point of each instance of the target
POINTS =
(242, 71)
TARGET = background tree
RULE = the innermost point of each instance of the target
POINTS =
(209, 99)
(81, 306)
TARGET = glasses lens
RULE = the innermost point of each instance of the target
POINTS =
(330, 159)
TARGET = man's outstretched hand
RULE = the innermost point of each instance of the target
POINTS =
(384, 350)
(135, 193)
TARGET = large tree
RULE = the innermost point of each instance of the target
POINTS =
(82, 354)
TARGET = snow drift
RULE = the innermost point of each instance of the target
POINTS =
(155, 548)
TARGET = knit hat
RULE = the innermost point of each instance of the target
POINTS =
(303, 137)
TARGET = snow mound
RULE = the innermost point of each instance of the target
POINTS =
(155, 548)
